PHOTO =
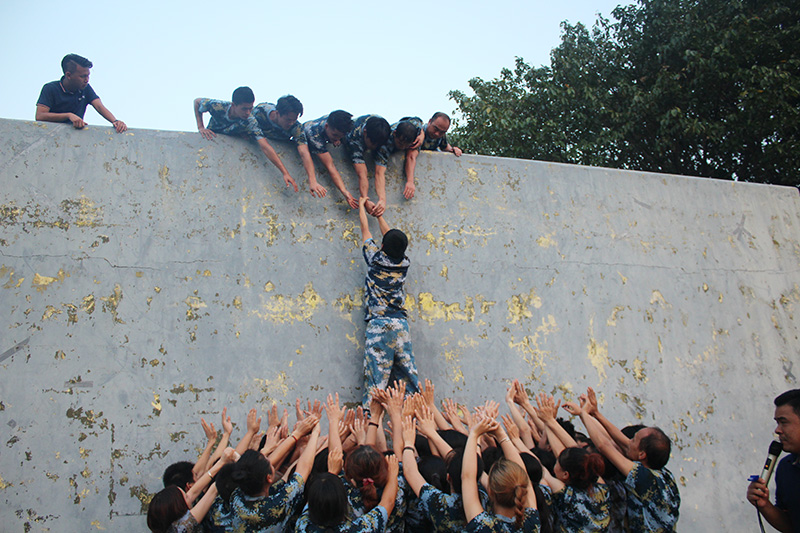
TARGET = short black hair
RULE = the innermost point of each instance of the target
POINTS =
(178, 474)
(394, 244)
(377, 130)
(341, 121)
(406, 131)
(73, 61)
(289, 104)
(790, 397)
(439, 114)
(657, 448)
(243, 95)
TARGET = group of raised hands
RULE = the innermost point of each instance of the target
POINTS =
(530, 424)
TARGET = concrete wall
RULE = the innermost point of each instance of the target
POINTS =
(151, 278)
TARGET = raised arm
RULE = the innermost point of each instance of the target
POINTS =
(211, 438)
(613, 431)
(410, 469)
(362, 218)
(519, 420)
(410, 166)
(201, 127)
(227, 430)
(228, 456)
(394, 406)
(383, 225)
(604, 444)
(335, 415)
(428, 428)
(469, 468)
(306, 461)
(253, 425)
(303, 428)
(547, 410)
(390, 489)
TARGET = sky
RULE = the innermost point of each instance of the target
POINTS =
(152, 59)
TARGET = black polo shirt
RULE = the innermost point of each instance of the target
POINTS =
(58, 100)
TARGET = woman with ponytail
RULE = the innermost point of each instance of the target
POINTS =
(510, 490)
(579, 498)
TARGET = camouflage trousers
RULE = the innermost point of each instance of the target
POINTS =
(388, 356)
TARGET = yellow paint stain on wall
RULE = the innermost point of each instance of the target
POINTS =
(519, 306)
(111, 302)
(612, 320)
(10, 284)
(269, 286)
(156, 403)
(266, 389)
(347, 302)
(638, 371)
(49, 312)
(623, 278)
(96, 524)
(443, 272)
(237, 303)
(282, 309)
(597, 353)
(194, 304)
(472, 175)
(88, 304)
(431, 310)
(454, 373)
(40, 283)
(163, 177)
(657, 297)
(546, 241)
(529, 347)
(4, 484)
(660, 346)
(72, 313)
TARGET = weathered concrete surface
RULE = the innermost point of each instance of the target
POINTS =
(151, 278)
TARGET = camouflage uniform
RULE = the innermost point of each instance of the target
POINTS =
(316, 137)
(267, 514)
(579, 510)
(433, 145)
(488, 522)
(221, 122)
(395, 523)
(375, 520)
(653, 499)
(446, 511)
(385, 151)
(273, 131)
(388, 351)
(355, 143)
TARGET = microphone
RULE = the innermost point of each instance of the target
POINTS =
(775, 449)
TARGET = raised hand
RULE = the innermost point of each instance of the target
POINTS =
(335, 461)
(253, 421)
(227, 426)
(409, 431)
(427, 393)
(273, 415)
(572, 408)
(208, 429)
(591, 402)
(511, 427)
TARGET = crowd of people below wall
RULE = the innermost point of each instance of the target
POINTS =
(65, 100)
(404, 464)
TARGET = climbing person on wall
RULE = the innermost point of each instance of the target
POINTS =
(387, 350)
(235, 118)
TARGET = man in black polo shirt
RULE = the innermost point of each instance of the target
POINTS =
(65, 100)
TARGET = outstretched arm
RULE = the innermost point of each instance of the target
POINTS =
(383, 225)
(305, 156)
(410, 166)
(469, 469)
(380, 190)
(410, 469)
(108, 115)
(327, 161)
(613, 431)
(362, 218)
(272, 155)
(253, 425)
(557, 435)
(306, 461)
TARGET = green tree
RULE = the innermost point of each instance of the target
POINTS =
(695, 87)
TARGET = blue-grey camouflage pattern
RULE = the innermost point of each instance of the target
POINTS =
(384, 286)
(267, 514)
(185, 524)
(446, 511)
(488, 522)
(373, 521)
(273, 131)
(221, 122)
(388, 356)
(354, 141)
(653, 499)
(384, 152)
(396, 521)
(577, 511)
(432, 145)
(316, 137)
(219, 517)
(617, 506)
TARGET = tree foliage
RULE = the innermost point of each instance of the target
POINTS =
(694, 87)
